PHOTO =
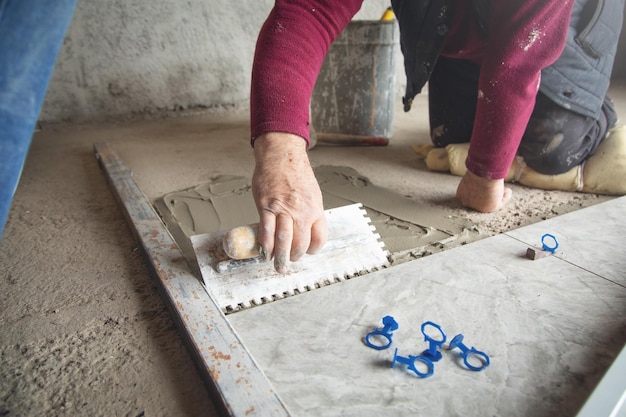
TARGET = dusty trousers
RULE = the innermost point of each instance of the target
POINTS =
(556, 139)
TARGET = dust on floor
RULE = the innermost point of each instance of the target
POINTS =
(84, 331)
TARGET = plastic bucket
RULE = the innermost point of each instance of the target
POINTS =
(355, 90)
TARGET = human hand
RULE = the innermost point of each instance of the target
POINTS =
(288, 199)
(482, 194)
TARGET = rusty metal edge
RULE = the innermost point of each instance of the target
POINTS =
(239, 386)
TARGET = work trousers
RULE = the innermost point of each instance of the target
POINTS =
(31, 35)
(555, 140)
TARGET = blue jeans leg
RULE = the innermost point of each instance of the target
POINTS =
(31, 35)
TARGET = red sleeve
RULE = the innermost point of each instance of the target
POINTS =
(524, 37)
(289, 53)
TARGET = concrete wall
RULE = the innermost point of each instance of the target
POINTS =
(124, 57)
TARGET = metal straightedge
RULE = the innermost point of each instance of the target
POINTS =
(239, 386)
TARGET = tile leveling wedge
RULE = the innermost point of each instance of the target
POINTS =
(353, 248)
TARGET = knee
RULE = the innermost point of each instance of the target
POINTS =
(554, 153)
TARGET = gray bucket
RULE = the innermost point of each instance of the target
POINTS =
(355, 90)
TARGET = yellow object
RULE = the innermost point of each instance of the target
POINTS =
(242, 243)
(388, 15)
(437, 160)
(457, 154)
(567, 181)
(603, 173)
(422, 149)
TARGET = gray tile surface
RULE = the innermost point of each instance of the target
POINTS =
(594, 238)
(551, 328)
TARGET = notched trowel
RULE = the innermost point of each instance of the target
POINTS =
(353, 248)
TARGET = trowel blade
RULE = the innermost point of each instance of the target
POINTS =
(353, 248)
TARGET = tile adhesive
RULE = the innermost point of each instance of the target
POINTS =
(409, 229)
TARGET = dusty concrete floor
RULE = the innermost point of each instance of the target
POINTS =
(83, 329)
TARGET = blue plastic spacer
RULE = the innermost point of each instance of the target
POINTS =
(378, 346)
(466, 353)
(410, 363)
(433, 352)
(389, 325)
(545, 246)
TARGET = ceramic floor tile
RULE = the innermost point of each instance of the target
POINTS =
(593, 238)
(550, 328)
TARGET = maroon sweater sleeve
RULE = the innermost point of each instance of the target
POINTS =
(289, 53)
(525, 36)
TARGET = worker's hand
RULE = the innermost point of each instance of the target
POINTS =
(482, 194)
(288, 198)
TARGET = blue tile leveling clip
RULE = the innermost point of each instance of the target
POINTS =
(467, 353)
(390, 324)
(434, 345)
(430, 355)
(545, 246)
(410, 362)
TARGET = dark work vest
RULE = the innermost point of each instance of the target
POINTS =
(578, 80)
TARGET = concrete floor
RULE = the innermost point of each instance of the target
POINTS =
(83, 329)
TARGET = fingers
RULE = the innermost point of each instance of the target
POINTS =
(508, 193)
(309, 238)
(283, 242)
(301, 241)
(267, 232)
(292, 241)
(319, 235)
